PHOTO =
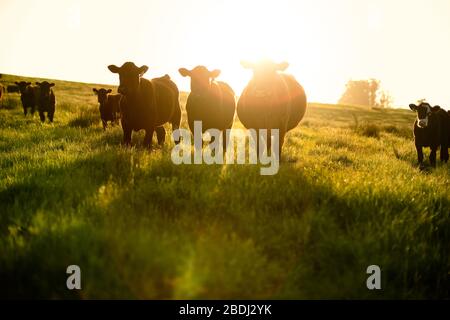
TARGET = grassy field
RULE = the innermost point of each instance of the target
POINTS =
(348, 195)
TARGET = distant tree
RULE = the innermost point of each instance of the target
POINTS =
(385, 100)
(362, 92)
(366, 92)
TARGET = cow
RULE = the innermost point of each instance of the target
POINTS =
(45, 99)
(211, 102)
(271, 100)
(1, 96)
(146, 104)
(27, 96)
(109, 105)
(431, 129)
(13, 89)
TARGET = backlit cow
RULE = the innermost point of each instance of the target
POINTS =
(109, 105)
(431, 129)
(27, 96)
(271, 100)
(146, 104)
(45, 99)
(211, 102)
(12, 89)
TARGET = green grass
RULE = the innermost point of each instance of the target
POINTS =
(348, 195)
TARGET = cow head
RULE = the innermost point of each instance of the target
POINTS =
(129, 75)
(201, 77)
(45, 88)
(22, 86)
(423, 110)
(102, 94)
(264, 73)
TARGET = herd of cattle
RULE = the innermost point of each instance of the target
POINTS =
(39, 96)
(271, 100)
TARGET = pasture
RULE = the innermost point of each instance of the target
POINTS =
(348, 195)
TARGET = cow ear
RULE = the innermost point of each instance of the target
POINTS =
(184, 72)
(435, 108)
(247, 64)
(95, 90)
(17, 83)
(282, 66)
(38, 83)
(113, 68)
(108, 91)
(413, 107)
(143, 70)
(51, 85)
(214, 74)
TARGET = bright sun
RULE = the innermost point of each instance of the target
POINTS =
(249, 30)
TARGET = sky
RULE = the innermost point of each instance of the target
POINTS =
(403, 43)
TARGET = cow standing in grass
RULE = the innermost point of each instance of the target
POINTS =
(109, 106)
(211, 102)
(431, 129)
(12, 89)
(27, 96)
(146, 104)
(1, 95)
(271, 100)
(45, 99)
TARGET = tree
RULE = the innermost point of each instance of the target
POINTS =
(365, 92)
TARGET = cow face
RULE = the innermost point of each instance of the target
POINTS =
(23, 85)
(102, 94)
(129, 75)
(45, 89)
(201, 78)
(423, 110)
(264, 73)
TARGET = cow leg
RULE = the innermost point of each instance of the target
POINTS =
(42, 116)
(226, 137)
(444, 153)
(104, 125)
(419, 154)
(50, 116)
(25, 111)
(175, 126)
(161, 135)
(126, 136)
(269, 142)
(433, 156)
(148, 138)
(282, 134)
(260, 145)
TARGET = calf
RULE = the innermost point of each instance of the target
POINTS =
(45, 99)
(27, 96)
(210, 102)
(109, 105)
(271, 100)
(431, 129)
(146, 104)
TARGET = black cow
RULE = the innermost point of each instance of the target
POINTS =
(146, 104)
(109, 105)
(12, 89)
(211, 102)
(271, 100)
(1, 95)
(27, 96)
(431, 129)
(45, 99)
